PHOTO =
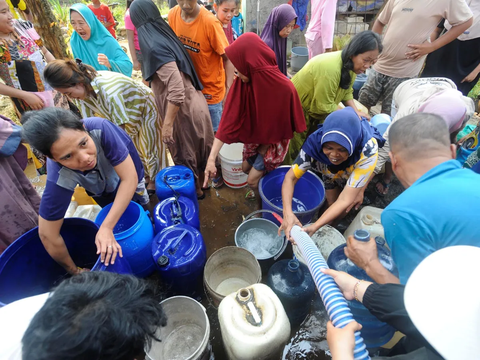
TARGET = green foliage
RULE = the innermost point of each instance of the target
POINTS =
(475, 92)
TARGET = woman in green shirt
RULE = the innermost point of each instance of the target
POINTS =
(327, 79)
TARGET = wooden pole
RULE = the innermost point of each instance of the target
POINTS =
(48, 28)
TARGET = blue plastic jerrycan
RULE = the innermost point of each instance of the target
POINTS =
(292, 283)
(180, 255)
(175, 181)
(173, 211)
(374, 332)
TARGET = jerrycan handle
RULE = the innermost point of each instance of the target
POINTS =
(361, 235)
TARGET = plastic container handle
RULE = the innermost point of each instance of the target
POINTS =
(335, 304)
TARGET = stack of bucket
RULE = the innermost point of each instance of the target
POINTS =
(178, 248)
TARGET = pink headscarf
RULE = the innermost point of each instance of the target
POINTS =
(449, 105)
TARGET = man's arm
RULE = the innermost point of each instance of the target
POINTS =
(365, 256)
(378, 27)
(426, 48)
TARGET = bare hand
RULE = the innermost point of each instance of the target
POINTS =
(167, 134)
(419, 50)
(33, 101)
(103, 60)
(107, 246)
(136, 65)
(357, 202)
(470, 77)
(210, 172)
(362, 114)
(360, 252)
(345, 282)
(289, 221)
(310, 229)
(342, 341)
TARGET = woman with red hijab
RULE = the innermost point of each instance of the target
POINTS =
(262, 111)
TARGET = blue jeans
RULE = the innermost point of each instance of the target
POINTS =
(215, 114)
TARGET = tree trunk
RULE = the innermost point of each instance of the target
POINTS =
(48, 28)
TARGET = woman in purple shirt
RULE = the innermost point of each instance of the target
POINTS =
(92, 153)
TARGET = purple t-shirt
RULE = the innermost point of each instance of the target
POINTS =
(113, 147)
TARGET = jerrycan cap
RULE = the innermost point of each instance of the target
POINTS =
(361, 235)
(163, 260)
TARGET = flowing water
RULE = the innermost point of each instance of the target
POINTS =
(260, 243)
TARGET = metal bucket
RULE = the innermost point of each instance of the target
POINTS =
(187, 333)
(260, 237)
(227, 270)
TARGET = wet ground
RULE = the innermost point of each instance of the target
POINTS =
(221, 212)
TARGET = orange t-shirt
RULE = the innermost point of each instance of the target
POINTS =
(205, 41)
(104, 14)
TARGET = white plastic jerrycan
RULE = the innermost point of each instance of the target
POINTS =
(367, 219)
(254, 324)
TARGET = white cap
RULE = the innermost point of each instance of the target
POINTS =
(442, 297)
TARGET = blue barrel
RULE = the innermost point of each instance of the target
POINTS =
(178, 179)
(308, 196)
(180, 256)
(121, 266)
(374, 332)
(381, 122)
(294, 286)
(134, 233)
(171, 212)
(26, 269)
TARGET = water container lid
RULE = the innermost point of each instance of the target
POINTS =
(163, 260)
(180, 245)
(361, 235)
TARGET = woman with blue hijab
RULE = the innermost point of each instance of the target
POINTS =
(94, 45)
(344, 152)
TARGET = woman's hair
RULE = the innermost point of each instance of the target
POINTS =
(129, 2)
(61, 74)
(42, 128)
(220, 2)
(360, 43)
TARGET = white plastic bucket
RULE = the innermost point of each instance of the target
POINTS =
(231, 156)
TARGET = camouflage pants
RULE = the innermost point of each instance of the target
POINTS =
(379, 87)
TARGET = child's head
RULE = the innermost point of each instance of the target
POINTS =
(225, 10)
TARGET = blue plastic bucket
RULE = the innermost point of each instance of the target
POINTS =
(299, 57)
(134, 233)
(308, 196)
(26, 269)
(121, 266)
(381, 122)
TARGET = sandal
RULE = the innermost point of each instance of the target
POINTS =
(201, 197)
(385, 187)
(218, 182)
(250, 195)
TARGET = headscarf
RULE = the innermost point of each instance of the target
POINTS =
(449, 105)
(267, 109)
(277, 20)
(100, 42)
(158, 42)
(344, 128)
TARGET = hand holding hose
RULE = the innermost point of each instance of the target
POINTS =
(289, 221)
